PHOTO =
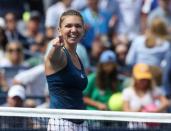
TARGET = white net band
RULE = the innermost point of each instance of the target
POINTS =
(86, 114)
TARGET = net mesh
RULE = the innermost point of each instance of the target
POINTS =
(29, 119)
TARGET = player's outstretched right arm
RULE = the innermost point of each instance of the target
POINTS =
(54, 58)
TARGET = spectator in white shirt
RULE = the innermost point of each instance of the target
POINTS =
(34, 80)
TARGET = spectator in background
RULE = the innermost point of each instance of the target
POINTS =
(3, 42)
(16, 96)
(129, 19)
(13, 62)
(14, 56)
(95, 21)
(143, 96)
(120, 45)
(32, 32)
(53, 15)
(163, 11)
(151, 48)
(102, 83)
(121, 52)
(37, 51)
(34, 80)
(11, 31)
(99, 44)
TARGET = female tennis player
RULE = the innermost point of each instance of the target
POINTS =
(65, 72)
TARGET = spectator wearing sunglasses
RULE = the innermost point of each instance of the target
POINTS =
(11, 30)
(13, 61)
(13, 55)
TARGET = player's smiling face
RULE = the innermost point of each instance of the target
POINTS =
(72, 29)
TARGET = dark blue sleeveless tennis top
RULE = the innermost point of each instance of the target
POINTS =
(66, 86)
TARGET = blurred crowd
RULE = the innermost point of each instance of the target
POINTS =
(125, 51)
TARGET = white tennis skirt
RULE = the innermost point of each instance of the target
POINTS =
(56, 124)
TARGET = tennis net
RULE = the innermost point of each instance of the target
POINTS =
(31, 119)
